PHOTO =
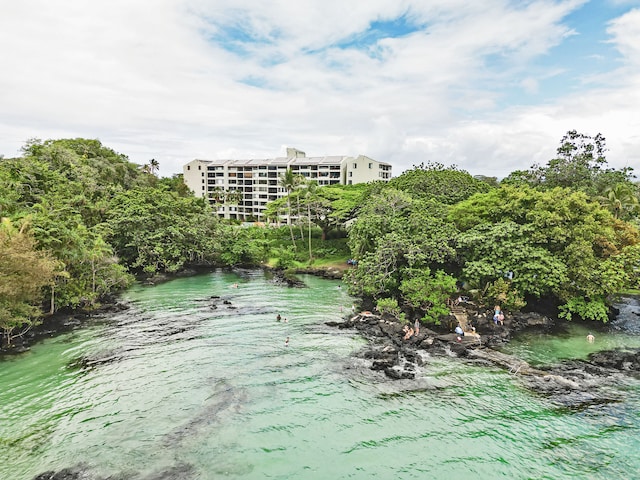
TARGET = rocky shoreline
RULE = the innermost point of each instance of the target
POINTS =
(573, 383)
(58, 323)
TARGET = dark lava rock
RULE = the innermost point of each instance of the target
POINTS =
(288, 279)
(623, 360)
(399, 373)
(573, 383)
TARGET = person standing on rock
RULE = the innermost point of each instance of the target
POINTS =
(416, 327)
(459, 331)
(498, 316)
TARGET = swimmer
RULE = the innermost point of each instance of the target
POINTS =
(286, 342)
(590, 338)
(278, 318)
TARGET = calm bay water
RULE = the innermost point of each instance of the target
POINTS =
(174, 385)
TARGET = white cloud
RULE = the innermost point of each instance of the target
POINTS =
(153, 80)
(625, 32)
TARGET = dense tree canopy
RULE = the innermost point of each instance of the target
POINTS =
(156, 230)
(552, 242)
(398, 242)
(436, 182)
(546, 233)
(24, 271)
(68, 191)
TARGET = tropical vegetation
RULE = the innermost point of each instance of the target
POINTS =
(81, 221)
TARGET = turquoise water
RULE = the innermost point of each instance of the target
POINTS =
(173, 385)
(540, 348)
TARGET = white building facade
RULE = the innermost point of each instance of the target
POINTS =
(241, 189)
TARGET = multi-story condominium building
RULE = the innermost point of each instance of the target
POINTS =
(241, 189)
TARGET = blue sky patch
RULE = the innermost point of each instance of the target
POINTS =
(378, 30)
(240, 39)
(571, 66)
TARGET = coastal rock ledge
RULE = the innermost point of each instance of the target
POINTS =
(572, 382)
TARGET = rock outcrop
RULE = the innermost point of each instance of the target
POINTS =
(573, 383)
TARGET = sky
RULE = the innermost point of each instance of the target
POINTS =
(489, 86)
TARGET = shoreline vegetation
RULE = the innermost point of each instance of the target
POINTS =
(80, 223)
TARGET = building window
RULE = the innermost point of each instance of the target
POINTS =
(188, 167)
(355, 165)
(351, 174)
(199, 167)
(370, 165)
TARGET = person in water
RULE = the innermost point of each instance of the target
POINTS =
(286, 342)
(278, 318)
(590, 338)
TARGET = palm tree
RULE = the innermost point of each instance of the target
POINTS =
(621, 198)
(288, 181)
(234, 196)
(300, 181)
(217, 195)
(310, 196)
(154, 166)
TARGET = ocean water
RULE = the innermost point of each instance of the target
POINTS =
(188, 387)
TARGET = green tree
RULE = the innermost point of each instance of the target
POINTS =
(554, 242)
(155, 230)
(622, 200)
(311, 198)
(242, 245)
(289, 181)
(176, 184)
(434, 181)
(398, 242)
(495, 251)
(428, 293)
(154, 166)
(24, 272)
(580, 164)
(339, 204)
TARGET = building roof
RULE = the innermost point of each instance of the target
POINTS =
(283, 161)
